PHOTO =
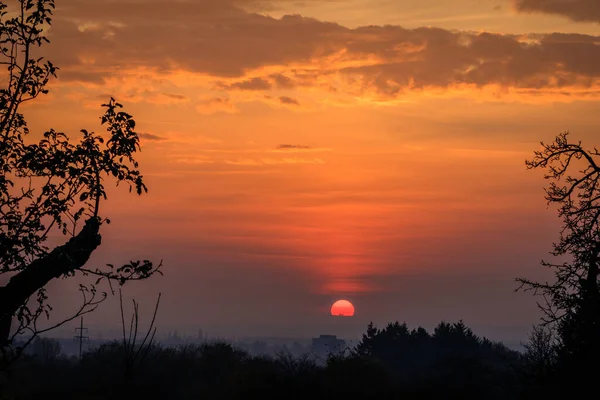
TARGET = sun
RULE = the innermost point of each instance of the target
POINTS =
(342, 308)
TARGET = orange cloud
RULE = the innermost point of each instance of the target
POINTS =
(194, 160)
(292, 147)
(289, 101)
(257, 53)
(577, 10)
(216, 105)
(274, 161)
(250, 84)
(150, 136)
(298, 148)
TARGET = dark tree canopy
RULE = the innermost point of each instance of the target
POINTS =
(53, 184)
(450, 363)
(451, 356)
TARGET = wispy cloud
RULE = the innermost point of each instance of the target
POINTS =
(289, 101)
(178, 98)
(151, 136)
(282, 81)
(216, 105)
(298, 148)
(275, 161)
(249, 84)
(293, 147)
(194, 160)
(486, 153)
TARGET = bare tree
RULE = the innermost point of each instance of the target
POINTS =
(571, 302)
(46, 349)
(135, 353)
(540, 350)
(53, 185)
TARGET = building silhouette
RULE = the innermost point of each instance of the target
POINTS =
(327, 345)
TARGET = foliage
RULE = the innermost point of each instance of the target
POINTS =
(453, 353)
(54, 184)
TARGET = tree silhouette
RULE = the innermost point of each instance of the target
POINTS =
(572, 301)
(452, 361)
(217, 370)
(539, 361)
(52, 185)
(46, 349)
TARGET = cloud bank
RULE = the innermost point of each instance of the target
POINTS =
(246, 52)
(576, 10)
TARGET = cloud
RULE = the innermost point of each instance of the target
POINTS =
(176, 97)
(246, 51)
(74, 75)
(297, 148)
(195, 160)
(274, 161)
(214, 37)
(250, 84)
(289, 101)
(292, 160)
(576, 10)
(159, 98)
(216, 105)
(282, 81)
(293, 147)
(244, 161)
(150, 136)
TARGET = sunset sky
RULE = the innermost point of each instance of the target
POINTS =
(299, 152)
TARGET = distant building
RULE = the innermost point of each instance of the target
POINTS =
(327, 345)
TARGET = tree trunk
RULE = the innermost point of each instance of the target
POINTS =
(592, 277)
(62, 260)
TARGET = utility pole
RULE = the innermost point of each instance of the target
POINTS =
(80, 337)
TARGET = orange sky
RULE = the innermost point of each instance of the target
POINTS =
(301, 152)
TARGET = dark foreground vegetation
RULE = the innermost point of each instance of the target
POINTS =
(390, 363)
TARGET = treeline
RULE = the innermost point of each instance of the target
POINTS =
(394, 362)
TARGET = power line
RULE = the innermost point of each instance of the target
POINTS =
(80, 337)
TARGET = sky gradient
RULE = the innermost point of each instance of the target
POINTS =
(299, 152)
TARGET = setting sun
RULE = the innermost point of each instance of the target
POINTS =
(342, 308)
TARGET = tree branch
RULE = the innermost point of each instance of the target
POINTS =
(62, 260)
